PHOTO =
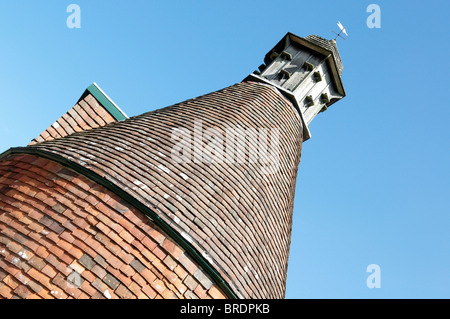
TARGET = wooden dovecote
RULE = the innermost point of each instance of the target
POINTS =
(307, 71)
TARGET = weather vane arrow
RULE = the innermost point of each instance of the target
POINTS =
(341, 27)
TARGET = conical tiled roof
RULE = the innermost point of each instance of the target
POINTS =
(237, 218)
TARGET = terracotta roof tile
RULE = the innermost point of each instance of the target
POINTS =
(46, 244)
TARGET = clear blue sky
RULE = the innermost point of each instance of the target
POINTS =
(373, 184)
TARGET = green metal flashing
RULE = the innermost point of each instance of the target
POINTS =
(217, 278)
(107, 103)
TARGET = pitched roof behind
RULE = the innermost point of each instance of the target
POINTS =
(93, 109)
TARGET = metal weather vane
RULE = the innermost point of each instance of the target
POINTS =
(338, 35)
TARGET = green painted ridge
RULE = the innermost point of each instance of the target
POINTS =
(106, 102)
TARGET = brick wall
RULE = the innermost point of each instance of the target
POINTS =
(59, 230)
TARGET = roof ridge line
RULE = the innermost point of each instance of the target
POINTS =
(107, 102)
